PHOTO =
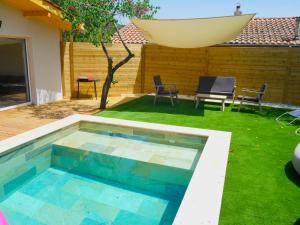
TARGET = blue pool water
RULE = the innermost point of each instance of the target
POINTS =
(93, 174)
(58, 197)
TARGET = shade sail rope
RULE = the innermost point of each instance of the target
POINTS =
(193, 33)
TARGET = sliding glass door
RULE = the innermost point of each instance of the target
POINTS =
(14, 80)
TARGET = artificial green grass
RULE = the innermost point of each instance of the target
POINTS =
(261, 186)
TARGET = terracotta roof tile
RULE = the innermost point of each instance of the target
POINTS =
(131, 35)
(268, 31)
(260, 31)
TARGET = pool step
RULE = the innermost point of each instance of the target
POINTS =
(160, 179)
(133, 148)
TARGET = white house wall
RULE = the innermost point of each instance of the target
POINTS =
(43, 50)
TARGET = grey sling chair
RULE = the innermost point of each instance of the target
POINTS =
(295, 114)
(256, 98)
(164, 90)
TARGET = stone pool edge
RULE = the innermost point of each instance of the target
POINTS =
(203, 198)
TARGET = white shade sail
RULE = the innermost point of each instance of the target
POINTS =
(193, 33)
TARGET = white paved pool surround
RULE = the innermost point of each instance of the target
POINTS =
(202, 200)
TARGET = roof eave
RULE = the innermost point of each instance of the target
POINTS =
(43, 10)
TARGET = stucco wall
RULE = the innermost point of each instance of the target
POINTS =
(43, 50)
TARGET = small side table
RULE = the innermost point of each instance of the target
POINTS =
(85, 80)
(200, 97)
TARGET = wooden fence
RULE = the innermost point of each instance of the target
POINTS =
(252, 66)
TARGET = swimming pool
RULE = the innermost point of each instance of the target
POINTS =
(90, 170)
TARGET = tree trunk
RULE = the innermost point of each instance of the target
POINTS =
(110, 74)
(112, 69)
(106, 85)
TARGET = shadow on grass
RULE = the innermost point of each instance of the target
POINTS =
(267, 111)
(187, 107)
(163, 105)
(297, 222)
(292, 174)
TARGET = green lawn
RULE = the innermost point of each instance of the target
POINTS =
(261, 186)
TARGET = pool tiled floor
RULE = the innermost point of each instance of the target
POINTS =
(59, 198)
(163, 154)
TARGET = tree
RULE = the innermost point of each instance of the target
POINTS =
(99, 21)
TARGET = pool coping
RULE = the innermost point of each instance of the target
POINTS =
(201, 203)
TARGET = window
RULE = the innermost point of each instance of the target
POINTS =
(14, 82)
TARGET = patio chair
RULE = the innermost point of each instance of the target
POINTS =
(164, 90)
(256, 98)
(295, 114)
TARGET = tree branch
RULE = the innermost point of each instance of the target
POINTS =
(121, 39)
(121, 63)
(129, 56)
(109, 59)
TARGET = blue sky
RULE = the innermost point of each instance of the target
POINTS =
(207, 8)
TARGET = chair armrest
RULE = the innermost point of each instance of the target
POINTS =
(171, 86)
(251, 91)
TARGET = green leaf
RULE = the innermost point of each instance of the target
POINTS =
(99, 17)
(115, 82)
